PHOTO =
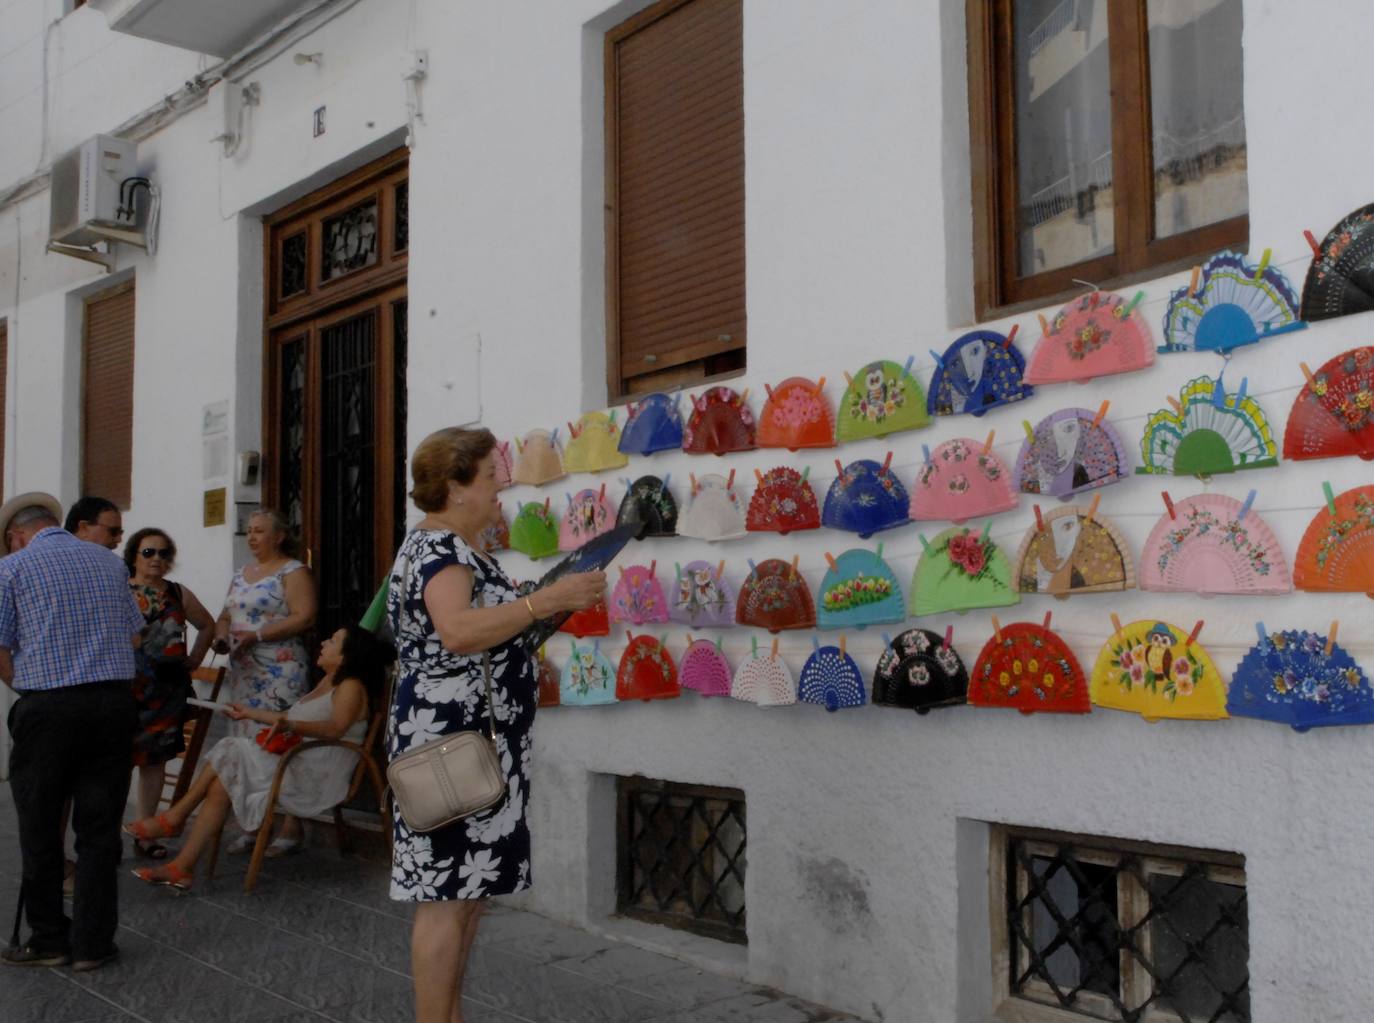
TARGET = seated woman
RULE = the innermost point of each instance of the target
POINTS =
(238, 773)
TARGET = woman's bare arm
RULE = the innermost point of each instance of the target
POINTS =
(464, 629)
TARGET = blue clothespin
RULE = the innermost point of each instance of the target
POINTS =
(925, 453)
(1263, 636)
(753, 568)
(939, 359)
(906, 369)
(1245, 508)
(663, 487)
(887, 640)
(815, 642)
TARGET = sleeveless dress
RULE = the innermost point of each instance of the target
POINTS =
(161, 681)
(265, 676)
(438, 693)
(315, 781)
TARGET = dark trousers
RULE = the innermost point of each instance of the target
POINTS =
(74, 743)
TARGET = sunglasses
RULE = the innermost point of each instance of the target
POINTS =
(156, 552)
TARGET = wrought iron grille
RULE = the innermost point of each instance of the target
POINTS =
(400, 334)
(401, 237)
(681, 856)
(1119, 933)
(293, 265)
(350, 241)
(292, 448)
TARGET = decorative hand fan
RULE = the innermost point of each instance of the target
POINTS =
(538, 459)
(648, 504)
(1334, 412)
(1073, 550)
(592, 556)
(594, 621)
(1155, 670)
(960, 570)
(1337, 550)
(830, 678)
(961, 480)
(1340, 280)
(1207, 432)
(1230, 303)
(638, 598)
(646, 672)
(783, 502)
(1093, 336)
(652, 424)
(713, 511)
(588, 678)
(720, 423)
(588, 515)
(496, 537)
(766, 681)
(858, 590)
(796, 415)
(1212, 543)
(504, 465)
(775, 597)
(1301, 679)
(881, 398)
(1028, 667)
(547, 675)
(978, 372)
(535, 530)
(705, 669)
(865, 498)
(594, 444)
(1069, 451)
(701, 596)
(920, 671)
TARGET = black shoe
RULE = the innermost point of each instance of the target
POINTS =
(82, 965)
(27, 955)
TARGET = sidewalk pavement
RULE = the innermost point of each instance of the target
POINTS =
(320, 940)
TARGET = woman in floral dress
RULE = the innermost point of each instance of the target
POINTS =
(449, 604)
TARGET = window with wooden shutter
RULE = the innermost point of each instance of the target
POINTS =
(675, 195)
(107, 403)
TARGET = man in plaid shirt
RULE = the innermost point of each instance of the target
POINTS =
(68, 625)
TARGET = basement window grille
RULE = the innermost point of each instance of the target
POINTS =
(681, 856)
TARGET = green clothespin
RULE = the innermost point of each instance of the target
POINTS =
(1330, 499)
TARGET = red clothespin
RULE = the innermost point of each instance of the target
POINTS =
(1011, 335)
(996, 629)
(949, 636)
(1192, 636)
(1048, 616)
(653, 567)
(1331, 637)
(887, 462)
(758, 476)
(1044, 323)
(1168, 504)
(1092, 508)
(768, 390)
(1307, 373)
(1039, 522)
(1116, 625)
(572, 431)
(730, 481)
(1101, 413)
(602, 495)
(987, 444)
(1316, 249)
(1174, 404)
(1192, 285)
(839, 468)
(830, 560)
(629, 636)
(546, 506)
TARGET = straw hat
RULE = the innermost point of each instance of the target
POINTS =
(33, 499)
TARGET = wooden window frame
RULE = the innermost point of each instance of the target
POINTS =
(1137, 254)
(1133, 905)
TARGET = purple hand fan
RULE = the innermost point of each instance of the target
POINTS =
(1070, 451)
(701, 596)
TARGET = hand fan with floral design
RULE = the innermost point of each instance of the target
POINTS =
(960, 480)
(1073, 550)
(1206, 431)
(783, 502)
(534, 532)
(920, 671)
(959, 570)
(1156, 670)
(588, 515)
(1230, 303)
(1340, 280)
(1337, 549)
(1333, 414)
(704, 668)
(588, 678)
(978, 372)
(1301, 679)
(496, 537)
(858, 590)
(830, 678)
(649, 505)
(1211, 543)
(1069, 451)
(701, 596)
(865, 498)
(883, 397)
(652, 424)
(1027, 667)
(713, 511)
(638, 596)
(1093, 336)
(775, 597)
(796, 415)
(719, 424)
(646, 672)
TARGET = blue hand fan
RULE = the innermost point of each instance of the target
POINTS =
(588, 678)
(978, 372)
(866, 498)
(1230, 303)
(654, 424)
(858, 590)
(1300, 679)
(830, 678)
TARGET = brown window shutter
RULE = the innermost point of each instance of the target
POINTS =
(675, 136)
(107, 408)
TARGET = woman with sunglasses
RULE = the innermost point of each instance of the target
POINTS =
(162, 679)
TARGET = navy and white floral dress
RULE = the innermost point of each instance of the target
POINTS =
(439, 693)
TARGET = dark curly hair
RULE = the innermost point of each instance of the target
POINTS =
(134, 542)
(366, 658)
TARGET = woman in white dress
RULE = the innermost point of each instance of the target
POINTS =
(239, 771)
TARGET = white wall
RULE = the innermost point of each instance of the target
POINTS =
(858, 247)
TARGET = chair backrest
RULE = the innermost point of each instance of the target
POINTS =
(375, 721)
(214, 676)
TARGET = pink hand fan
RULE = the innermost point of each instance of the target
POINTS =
(961, 479)
(1093, 336)
(1212, 543)
(638, 597)
(704, 668)
(588, 515)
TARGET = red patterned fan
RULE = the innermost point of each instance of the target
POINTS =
(646, 672)
(1028, 667)
(775, 597)
(593, 621)
(720, 423)
(783, 502)
(1334, 412)
(1337, 550)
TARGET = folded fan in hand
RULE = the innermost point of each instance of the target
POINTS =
(592, 556)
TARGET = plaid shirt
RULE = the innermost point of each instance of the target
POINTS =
(66, 613)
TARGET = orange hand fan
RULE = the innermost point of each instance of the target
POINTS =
(1337, 550)
(1333, 414)
(796, 415)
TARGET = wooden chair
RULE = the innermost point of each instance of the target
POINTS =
(194, 730)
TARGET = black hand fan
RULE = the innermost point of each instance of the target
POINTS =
(1340, 280)
(592, 556)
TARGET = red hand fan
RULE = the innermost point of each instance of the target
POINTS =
(1333, 414)
(1028, 667)
(1337, 550)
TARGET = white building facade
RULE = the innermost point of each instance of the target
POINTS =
(874, 851)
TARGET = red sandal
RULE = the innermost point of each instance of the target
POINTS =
(143, 833)
(168, 875)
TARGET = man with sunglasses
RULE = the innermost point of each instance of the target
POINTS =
(96, 520)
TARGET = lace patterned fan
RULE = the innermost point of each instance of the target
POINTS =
(1207, 431)
(775, 597)
(1212, 543)
(1092, 336)
(961, 480)
(858, 590)
(719, 424)
(701, 596)
(831, 679)
(796, 416)
(960, 570)
(646, 671)
(865, 498)
(594, 444)
(713, 511)
(1337, 549)
(1073, 550)
(1070, 451)
(1153, 669)
(588, 678)
(1340, 280)
(881, 398)
(978, 372)
(920, 671)
(766, 681)
(538, 459)
(588, 515)
(1300, 679)
(652, 424)
(704, 668)
(1230, 303)
(1026, 666)
(1333, 414)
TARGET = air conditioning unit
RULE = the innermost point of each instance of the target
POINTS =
(94, 195)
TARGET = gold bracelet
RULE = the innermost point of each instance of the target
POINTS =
(534, 617)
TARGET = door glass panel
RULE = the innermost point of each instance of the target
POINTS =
(1063, 123)
(1197, 113)
(350, 241)
(292, 448)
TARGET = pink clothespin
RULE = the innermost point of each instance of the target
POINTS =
(949, 636)
(730, 481)
(1048, 616)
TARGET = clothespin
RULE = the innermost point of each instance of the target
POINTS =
(1192, 636)
(887, 462)
(744, 396)
(1307, 374)
(1030, 432)
(1316, 249)
(1173, 402)
(519, 447)
(1192, 285)
(1263, 263)
(629, 636)
(1044, 323)
(1092, 508)
(925, 453)
(949, 636)
(987, 444)
(773, 654)
(663, 483)
(553, 437)
(629, 410)
(795, 558)
(677, 570)
(887, 640)
(1101, 413)
(692, 477)
(602, 495)
(879, 556)
(996, 629)
(1116, 625)
(543, 651)
(1168, 504)
(719, 648)
(848, 379)
(939, 360)
(572, 431)
(720, 569)
(573, 644)
(753, 568)
(839, 468)
(546, 506)
(906, 366)
(596, 646)
(730, 480)
(1330, 499)
(842, 652)
(611, 417)
(1048, 616)
(987, 530)
(758, 475)
(653, 567)
(690, 640)
(767, 388)
(815, 642)
(1245, 506)
(1011, 335)
(1263, 636)
(925, 544)
(1240, 395)
(754, 647)
(806, 471)
(1039, 521)
(820, 385)
(569, 497)
(830, 560)
(1135, 300)
(1331, 637)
